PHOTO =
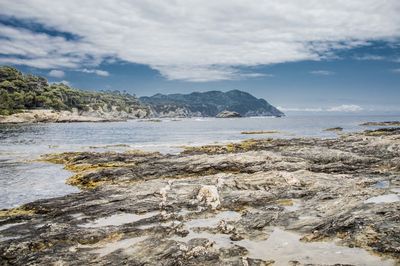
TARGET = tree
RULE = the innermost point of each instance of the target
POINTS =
(29, 100)
(8, 86)
(18, 100)
(9, 73)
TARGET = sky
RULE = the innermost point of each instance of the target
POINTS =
(302, 56)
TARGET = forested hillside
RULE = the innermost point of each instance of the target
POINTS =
(19, 91)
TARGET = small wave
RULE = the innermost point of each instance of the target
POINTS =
(202, 119)
(261, 117)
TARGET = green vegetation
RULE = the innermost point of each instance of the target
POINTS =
(19, 91)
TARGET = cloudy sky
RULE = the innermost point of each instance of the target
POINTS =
(309, 55)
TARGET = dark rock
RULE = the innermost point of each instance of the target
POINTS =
(227, 114)
(335, 129)
(236, 237)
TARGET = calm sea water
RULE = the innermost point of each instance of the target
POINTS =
(23, 180)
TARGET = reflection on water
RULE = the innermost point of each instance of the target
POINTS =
(23, 181)
(382, 184)
(283, 246)
(124, 244)
(213, 221)
(388, 198)
(119, 219)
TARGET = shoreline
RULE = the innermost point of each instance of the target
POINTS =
(318, 188)
(35, 116)
(52, 116)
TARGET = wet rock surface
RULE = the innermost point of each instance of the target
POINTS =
(300, 201)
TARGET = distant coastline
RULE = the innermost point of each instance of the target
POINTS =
(31, 99)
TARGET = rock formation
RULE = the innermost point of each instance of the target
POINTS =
(228, 114)
(334, 129)
(245, 203)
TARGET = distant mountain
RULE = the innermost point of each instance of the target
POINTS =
(209, 104)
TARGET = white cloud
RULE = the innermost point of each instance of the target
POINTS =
(98, 72)
(340, 108)
(295, 109)
(39, 50)
(346, 108)
(65, 82)
(201, 73)
(396, 70)
(370, 57)
(322, 72)
(256, 75)
(194, 39)
(56, 73)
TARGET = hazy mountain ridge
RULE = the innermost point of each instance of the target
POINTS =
(209, 104)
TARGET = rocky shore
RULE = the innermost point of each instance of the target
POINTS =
(303, 201)
(52, 116)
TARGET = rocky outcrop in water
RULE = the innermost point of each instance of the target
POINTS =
(385, 123)
(209, 104)
(228, 114)
(334, 129)
(301, 201)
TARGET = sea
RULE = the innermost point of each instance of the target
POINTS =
(24, 179)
